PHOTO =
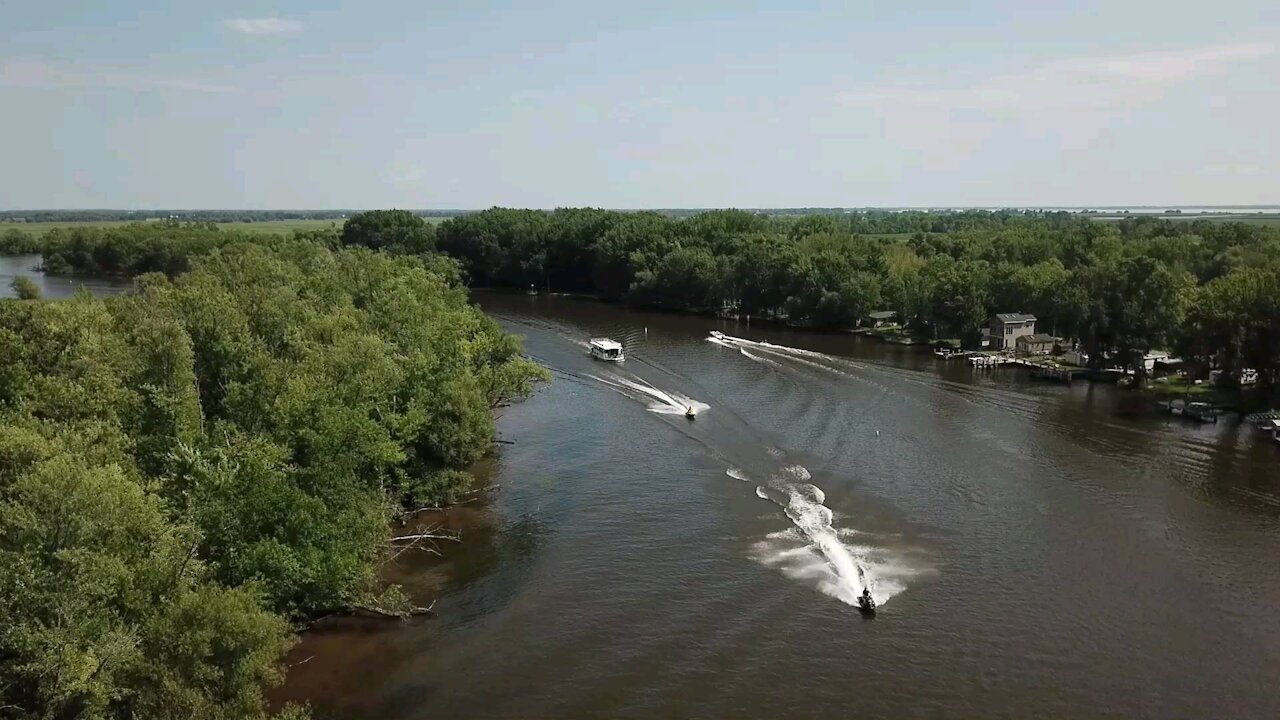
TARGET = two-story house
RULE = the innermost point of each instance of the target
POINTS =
(1006, 328)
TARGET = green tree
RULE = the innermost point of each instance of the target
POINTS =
(392, 230)
(24, 288)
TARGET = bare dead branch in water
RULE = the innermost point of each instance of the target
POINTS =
(303, 662)
(504, 442)
(425, 541)
(454, 537)
(412, 546)
(474, 496)
(370, 611)
(394, 614)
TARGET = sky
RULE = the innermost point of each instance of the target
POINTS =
(147, 104)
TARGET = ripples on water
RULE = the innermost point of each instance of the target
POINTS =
(1037, 554)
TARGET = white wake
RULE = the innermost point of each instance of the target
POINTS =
(816, 551)
(664, 402)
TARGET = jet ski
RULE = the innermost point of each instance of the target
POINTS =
(690, 413)
(866, 604)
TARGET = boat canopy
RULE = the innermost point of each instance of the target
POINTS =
(606, 344)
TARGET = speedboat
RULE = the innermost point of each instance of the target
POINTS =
(866, 603)
(717, 334)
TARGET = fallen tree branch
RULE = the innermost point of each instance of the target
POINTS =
(504, 442)
(412, 546)
(392, 614)
(426, 536)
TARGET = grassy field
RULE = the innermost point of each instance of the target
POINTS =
(1254, 219)
(268, 226)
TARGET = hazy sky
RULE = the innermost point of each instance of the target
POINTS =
(467, 104)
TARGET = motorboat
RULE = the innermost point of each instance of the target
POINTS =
(606, 349)
(866, 603)
(1203, 412)
(717, 335)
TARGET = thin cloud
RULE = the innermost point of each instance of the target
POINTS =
(264, 26)
(50, 75)
(1074, 99)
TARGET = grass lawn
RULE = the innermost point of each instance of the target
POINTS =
(1174, 386)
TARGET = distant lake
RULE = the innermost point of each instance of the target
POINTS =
(54, 286)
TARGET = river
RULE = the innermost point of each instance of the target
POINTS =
(1035, 552)
(54, 287)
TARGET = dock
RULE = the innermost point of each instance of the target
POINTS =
(1039, 370)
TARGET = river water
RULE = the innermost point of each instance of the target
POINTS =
(1036, 550)
(54, 287)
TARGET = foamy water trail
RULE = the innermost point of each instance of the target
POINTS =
(797, 355)
(729, 340)
(668, 402)
(814, 550)
(758, 358)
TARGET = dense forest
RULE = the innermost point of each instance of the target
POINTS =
(1207, 290)
(188, 468)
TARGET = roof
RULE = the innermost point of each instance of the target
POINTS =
(606, 344)
(883, 315)
(1014, 317)
(1037, 338)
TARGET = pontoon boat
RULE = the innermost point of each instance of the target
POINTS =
(606, 349)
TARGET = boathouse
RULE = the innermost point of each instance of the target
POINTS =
(1036, 344)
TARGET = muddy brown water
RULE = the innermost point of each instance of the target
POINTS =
(1035, 552)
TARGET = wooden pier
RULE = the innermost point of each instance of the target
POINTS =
(1039, 370)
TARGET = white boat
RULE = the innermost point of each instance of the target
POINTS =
(717, 334)
(606, 349)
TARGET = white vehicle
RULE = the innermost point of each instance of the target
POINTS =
(606, 349)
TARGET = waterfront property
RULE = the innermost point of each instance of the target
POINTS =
(882, 318)
(1035, 344)
(1005, 329)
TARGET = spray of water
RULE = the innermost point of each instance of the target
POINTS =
(731, 341)
(665, 402)
(814, 550)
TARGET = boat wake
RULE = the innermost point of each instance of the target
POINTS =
(663, 402)
(731, 341)
(814, 550)
(769, 353)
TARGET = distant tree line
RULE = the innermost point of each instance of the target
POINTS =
(1202, 288)
(217, 216)
(187, 468)
(1209, 290)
